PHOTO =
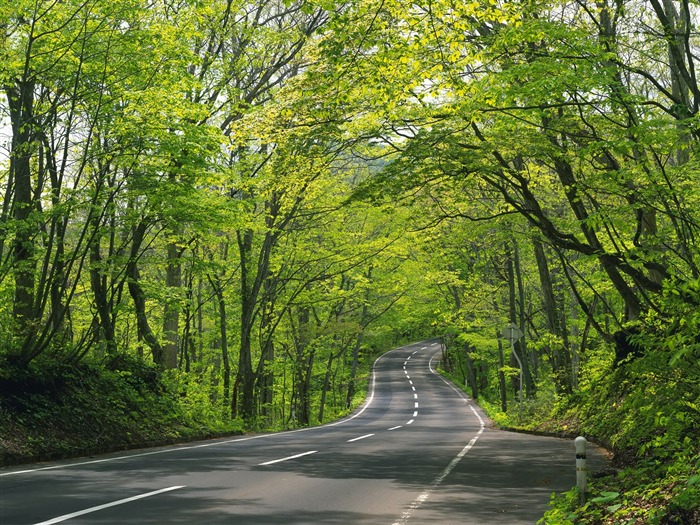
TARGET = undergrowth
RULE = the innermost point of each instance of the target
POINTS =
(646, 411)
(54, 411)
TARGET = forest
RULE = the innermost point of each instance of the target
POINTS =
(217, 213)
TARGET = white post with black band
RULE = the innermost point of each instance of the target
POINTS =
(581, 469)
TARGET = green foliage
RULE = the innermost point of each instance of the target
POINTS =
(53, 411)
(276, 206)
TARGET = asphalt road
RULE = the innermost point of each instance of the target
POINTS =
(418, 452)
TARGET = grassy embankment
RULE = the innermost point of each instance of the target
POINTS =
(55, 412)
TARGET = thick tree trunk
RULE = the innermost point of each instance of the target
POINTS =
(171, 311)
(21, 104)
(245, 379)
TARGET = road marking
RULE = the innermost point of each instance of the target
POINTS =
(415, 396)
(167, 450)
(410, 421)
(288, 458)
(359, 438)
(423, 496)
(410, 382)
(394, 428)
(415, 405)
(415, 414)
(65, 517)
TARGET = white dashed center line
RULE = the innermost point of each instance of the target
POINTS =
(288, 458)
(65, 517)
(359, 438)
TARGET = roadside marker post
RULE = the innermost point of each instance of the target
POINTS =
(581, 469)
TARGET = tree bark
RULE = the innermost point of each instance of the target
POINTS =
(171, 310)
(138, 295)
(20, 99)
(561, 356)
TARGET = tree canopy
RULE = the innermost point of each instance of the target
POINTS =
(254, 198)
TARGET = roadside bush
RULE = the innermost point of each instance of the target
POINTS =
(54, 411)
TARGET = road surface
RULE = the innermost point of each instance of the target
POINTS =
(418, 452)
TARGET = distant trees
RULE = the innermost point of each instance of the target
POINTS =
(247, 194)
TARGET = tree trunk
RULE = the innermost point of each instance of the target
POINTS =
(353, 367)
(98, 282)
(501, 375)
(326, 387)
(21, 104)
(561, 356)
(246, 378)
(471, 373)
(226, 373)
(171, 311)
(139, 297)
(522, 323)
(511, 262)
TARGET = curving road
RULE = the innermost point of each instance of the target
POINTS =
(417, 452)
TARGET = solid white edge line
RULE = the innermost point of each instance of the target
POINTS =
(107, 505)
(364, 407)
(359, 438)
(295, 456)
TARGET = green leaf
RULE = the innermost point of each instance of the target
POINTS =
(605, 497)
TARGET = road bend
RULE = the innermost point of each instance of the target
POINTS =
(419, 451)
